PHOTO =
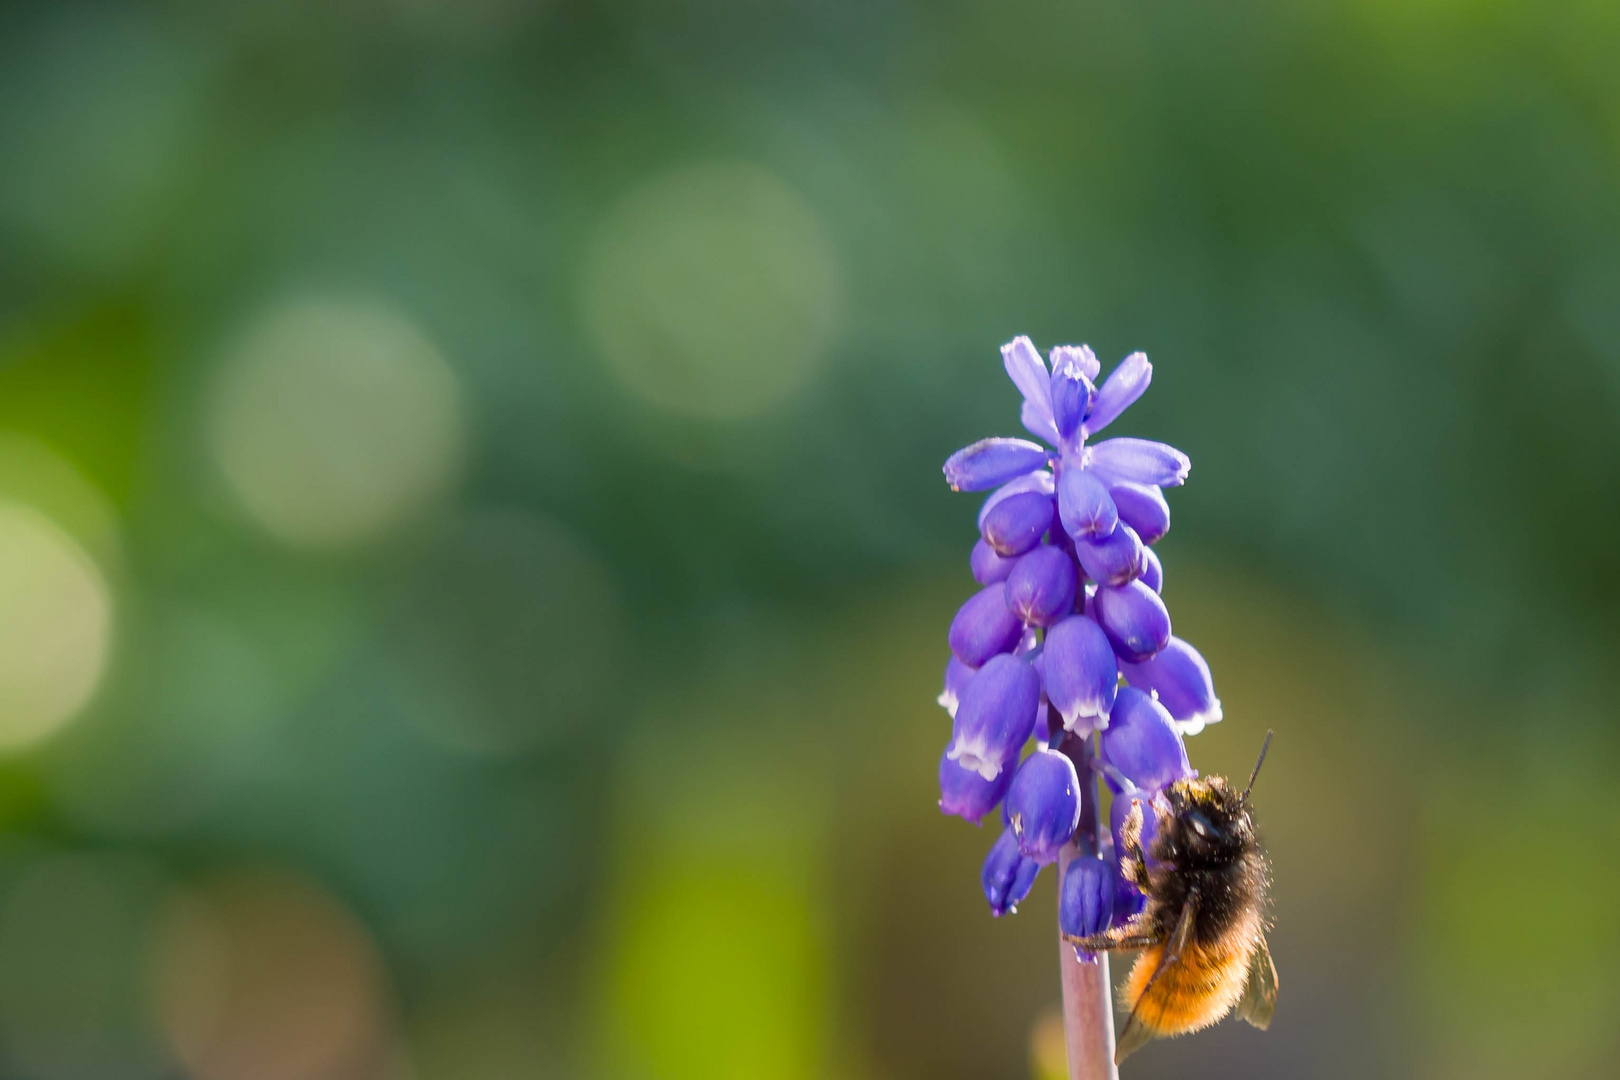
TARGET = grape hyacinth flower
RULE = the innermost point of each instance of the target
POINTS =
(1067, 646)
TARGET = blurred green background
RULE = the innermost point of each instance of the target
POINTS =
(474, 567)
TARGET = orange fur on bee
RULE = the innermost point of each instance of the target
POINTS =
(1198, 990)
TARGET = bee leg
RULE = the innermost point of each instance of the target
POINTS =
(1132, 935)
(1132, 863)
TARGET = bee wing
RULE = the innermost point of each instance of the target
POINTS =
(1260, 992)
(1140, 1028)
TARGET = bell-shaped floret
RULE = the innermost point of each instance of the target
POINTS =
(1071, 390)
(1007, 876)
(1080, 674)
(1139, 461)
(983, 627)
(1142, 742)
(990, 463)
(1040, 480)
(967, 795)
(1134, 618)
(1043, 804)
(988, 567)
(1041, 588)
(1085, 508)
(995, 716)
(1180, 678)
(1017, 523)
(1111, 560)
(1124, 385)
(1086, 900)
(1143, 508)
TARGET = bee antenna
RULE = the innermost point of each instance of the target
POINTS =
(1263, 748)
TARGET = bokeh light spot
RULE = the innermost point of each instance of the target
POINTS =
(713, 291)
(718, 975)
(335, 422)
(263, 976)
(55, 626)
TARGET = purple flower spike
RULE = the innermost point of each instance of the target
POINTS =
(1007, 876)
(1084, 505)
(1140, 461)
(990, 463)
(1134, 618)
(988, 567)
(1180, 679)
(1016, 524)
(1142, 742)
(1111, 560)
(1043, 805)
(1142, 507)
(1041, 588)
(965, 794)
(983, 627)
(1040, 480)
(1080, 674)
(1071, 391)
(995, 716)
(1078, 358)
(1086, 900)
(1152, 571)
(957, 675)
(1125, 384)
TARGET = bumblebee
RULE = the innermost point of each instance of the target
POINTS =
(1203, 930)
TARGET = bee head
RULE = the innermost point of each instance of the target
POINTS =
(1203, 820)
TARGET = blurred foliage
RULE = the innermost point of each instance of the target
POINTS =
(484, 458)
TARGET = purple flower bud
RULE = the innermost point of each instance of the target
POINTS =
(1007, 876)
(1084, 505)
(989, 463)
(1041, 588)
(1125, 384)
(1178, 676)
(1142, 742)
(1086, 900)
(1040, 480)
(1071, 393)
(957, 675)
(1143, 508)
(967, 795)
(1080, 674)
(1139, 461)
(983, 627)
(1111, 560)
(1027, 371)
(988, 567)
(1134, 618)
(1043, 804)
(1077, 358)
(1152, 571)
(995, 716)
(1016, 523)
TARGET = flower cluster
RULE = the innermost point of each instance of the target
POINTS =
(1068, 638)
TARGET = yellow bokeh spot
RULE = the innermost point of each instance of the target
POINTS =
(718, 976)
(55, 626)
